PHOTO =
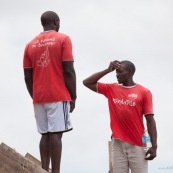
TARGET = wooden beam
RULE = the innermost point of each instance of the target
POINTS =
(13, 162)
(34, 160)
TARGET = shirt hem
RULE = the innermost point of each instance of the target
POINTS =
(43, 102)
(127, 141)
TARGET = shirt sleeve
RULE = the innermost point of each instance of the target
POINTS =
(102, 88)
(148, 104)
(26, 60)
(67, 50)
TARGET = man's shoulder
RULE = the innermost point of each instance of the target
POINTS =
(62, 34)
(34, 39)
(42, 35)
(142, 88)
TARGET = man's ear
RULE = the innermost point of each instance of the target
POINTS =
(56, 22)
(130, 72)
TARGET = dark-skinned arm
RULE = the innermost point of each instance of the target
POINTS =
(70, 81)
(29, 80)
(151, 127)
(92, 80)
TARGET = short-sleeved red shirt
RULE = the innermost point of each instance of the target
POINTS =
(127, 105)
(45, 54)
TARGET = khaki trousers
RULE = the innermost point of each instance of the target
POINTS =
(126, 156)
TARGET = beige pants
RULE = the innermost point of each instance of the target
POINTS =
(127, 156)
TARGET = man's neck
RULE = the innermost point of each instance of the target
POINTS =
(129, 83)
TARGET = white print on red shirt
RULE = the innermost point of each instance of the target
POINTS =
(126, 102)
(44, 42)
(44, 59)
(133, 96)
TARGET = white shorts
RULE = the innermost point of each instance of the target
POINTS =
(53, 117)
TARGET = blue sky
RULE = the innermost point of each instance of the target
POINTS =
(101, 31)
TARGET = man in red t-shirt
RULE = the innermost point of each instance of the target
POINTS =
(51, 82)
(128, 103)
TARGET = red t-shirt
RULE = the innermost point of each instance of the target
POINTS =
(127, 105)
(45, 54)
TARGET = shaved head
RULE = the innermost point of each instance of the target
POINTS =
(48, 18)
(129, 66)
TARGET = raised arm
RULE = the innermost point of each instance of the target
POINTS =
(151, 126)
(70, 81)
(92, 80)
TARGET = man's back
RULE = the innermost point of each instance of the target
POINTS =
(45, 54)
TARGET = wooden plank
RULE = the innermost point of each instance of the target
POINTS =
(110, 157)
(13, 162)
(34, 160)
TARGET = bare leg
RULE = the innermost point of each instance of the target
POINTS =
(55, 150)
(45, 151)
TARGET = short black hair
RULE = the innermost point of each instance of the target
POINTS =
(129, 65)
(48, 18)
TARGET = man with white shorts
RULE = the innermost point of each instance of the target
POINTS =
(51, 82)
